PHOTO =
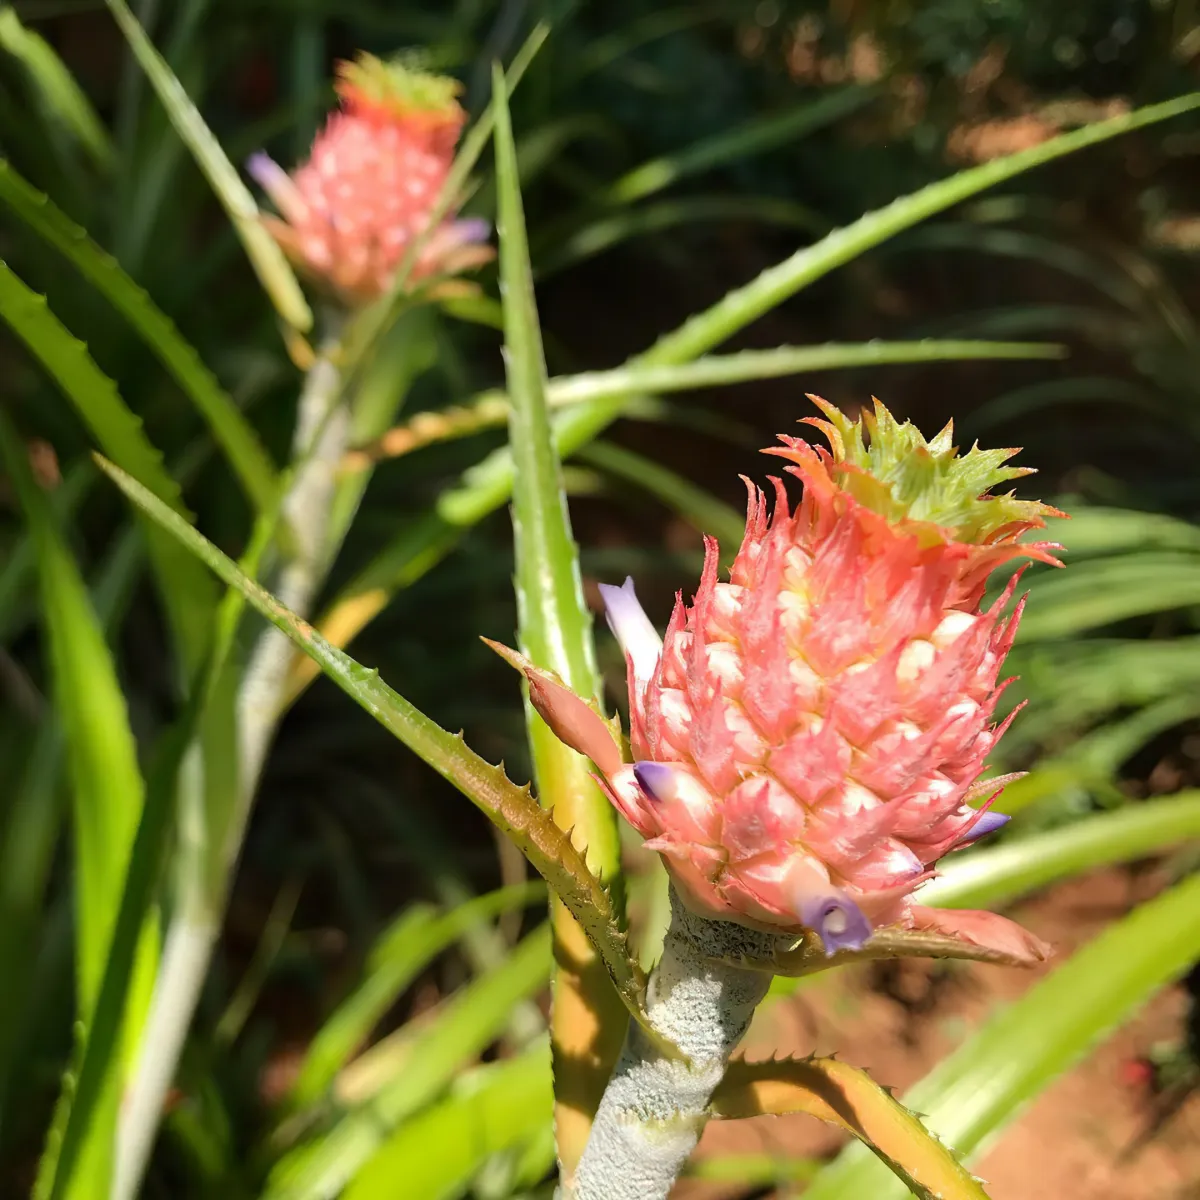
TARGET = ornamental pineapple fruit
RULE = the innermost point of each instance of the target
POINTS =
(808, 737)
(375, 174)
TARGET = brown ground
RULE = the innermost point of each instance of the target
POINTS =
(1084, 1137)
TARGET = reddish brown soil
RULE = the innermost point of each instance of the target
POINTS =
(1093, 1134)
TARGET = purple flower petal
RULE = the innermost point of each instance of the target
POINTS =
(628, 621)
(657, 780)
(988, 822)
(472, 229)
(836, 920)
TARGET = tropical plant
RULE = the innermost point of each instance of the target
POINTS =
(150, 800)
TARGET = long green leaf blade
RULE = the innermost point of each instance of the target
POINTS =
(776, 284)
(438, 1153)
(755, 136)
(556, 634)
(971, 1095)
(228, 425)
(426, 1062)
(187, 594)
(990, 878)
(106, 784)
(512, 809)
(409, 944)
(268, 261)
(65, 101)
(487, 486)
(714, 370)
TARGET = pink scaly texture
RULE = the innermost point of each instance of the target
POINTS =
(375, 173)
(810, 739)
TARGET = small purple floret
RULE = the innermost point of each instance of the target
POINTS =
(836, 920)
(988, 822)
(472, 229)
(263, 169)
(632, 628)
(655, 779)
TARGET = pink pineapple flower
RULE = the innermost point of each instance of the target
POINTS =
(808, 737)
(376, 171)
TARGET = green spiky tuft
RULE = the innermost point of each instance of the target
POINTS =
(398, 85)
(895, 472)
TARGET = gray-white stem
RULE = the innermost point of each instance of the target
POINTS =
(319, 441)
(655, 1107)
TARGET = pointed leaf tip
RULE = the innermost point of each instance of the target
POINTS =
(572, 719)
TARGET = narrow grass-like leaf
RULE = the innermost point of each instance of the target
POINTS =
(270, 264)
(1097, 530)
(187, 595)
(742, 306)
(611, 229)
(409, 944)
(844, 1096)
(555, 632)
(971, 1095)
(487, 486)
(510, 808)
(65, 102)
(426, 1062)
(225, 420)
(702, 510)
(996, 876)
(101, 752)
(107, 794)
(716, 370)
(755, 136)
(1104, 590)
(438, 1153)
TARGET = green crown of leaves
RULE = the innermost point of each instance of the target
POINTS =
(894, 471)
(399, 85)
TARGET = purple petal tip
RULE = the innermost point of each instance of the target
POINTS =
(628, 621)
(836, 920)
(472, 229)
(988, 822)
(657, 780)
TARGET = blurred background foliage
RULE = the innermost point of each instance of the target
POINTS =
(668, 154)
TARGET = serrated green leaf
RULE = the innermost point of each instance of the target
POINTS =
(843, 1095)
(186, 593)
(510, 808)
(225, 420)
(971, 1095)
(268, 261)
(743, 305)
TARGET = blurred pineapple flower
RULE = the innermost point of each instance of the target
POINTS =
(368, 190)
(808, 738)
